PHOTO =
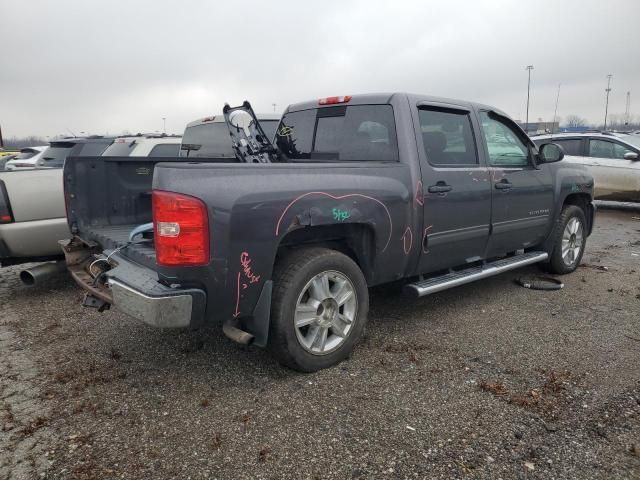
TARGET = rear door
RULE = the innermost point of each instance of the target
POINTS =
(615, 177)
(522, 195)
(455, 191)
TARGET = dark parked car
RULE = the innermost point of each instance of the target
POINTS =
(360, 191)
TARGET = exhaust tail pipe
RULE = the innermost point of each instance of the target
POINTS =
(40, 273)
(231, 330)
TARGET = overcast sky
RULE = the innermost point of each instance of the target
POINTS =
(115, 66)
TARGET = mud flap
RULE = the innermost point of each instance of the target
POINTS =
(258, 323)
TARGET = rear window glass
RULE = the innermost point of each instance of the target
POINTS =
(165, 150)
(212, 140)
(55, 155)
(120, 148)
(208, 140)
(93, 149)
(354, 133)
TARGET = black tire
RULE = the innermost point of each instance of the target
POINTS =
(557, 264)
(292, 274)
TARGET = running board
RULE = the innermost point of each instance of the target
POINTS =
(471, 274)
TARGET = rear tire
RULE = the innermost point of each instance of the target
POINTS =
(319, 309)
(569, 241)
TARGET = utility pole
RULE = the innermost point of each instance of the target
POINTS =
(627, 118)
(555, 112)
(1, 140)
(164, 124)
(606, 105)
(529, 68)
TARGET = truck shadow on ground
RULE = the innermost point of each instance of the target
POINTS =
(111, 338)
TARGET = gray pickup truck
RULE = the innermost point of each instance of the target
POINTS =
(356, 191)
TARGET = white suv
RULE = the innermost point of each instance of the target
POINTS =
(613, 159)
(144, 146)
(26, 159)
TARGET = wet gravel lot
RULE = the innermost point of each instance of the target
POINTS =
(488, 380)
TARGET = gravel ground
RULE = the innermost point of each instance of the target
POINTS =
(489, 380)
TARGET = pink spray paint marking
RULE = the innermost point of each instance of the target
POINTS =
(339, 197)
(407, 234)
(419, 198)
(424, 237)
(245, 261)
(251, 277)
(237, 312)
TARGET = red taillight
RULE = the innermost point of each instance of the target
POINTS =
(181, 235)
(334, 100)
(6, 216)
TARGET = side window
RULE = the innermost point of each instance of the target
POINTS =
(447, 137)
(505, 147)
(571, 146)
(606, 149)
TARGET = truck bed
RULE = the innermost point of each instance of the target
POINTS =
(115, 236)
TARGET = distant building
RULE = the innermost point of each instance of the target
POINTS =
(539, 127)
(575, 129)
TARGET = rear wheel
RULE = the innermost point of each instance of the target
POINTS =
(319, 309)
(569, 240)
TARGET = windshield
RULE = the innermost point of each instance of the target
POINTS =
(632, 139)
(25, 154)
(212, 140)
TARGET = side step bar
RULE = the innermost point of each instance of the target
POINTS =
(468, 275)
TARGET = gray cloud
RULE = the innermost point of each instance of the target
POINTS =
(121, 65)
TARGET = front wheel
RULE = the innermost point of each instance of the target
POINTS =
(569, 241)
(319, 309)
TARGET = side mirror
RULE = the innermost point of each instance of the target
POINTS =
(550, 153)
(631, 156)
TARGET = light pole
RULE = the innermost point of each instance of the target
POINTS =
(606, 105)
(555, 112)
(529, 68)
(164, 124)
(274, 107)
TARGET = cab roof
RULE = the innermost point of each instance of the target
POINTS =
(220, 118)
(386, 98)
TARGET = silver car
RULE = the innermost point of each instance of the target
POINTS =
(613, 160)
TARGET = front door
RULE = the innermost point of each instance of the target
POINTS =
(615, 177)
(522, 196)
(455, 192)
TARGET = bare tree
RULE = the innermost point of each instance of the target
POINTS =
(575, 121)
(21, 142)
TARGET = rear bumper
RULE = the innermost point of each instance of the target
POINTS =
(136, 291)
(172, 311)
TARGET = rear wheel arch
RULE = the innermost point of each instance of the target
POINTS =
(355, 240)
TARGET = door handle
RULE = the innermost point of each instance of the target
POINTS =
(440, 187)
(504, 185)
